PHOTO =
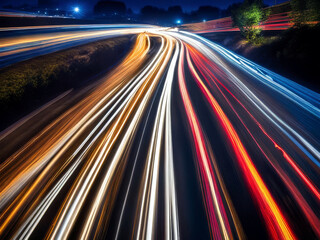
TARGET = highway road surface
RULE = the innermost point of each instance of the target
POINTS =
(182, 140)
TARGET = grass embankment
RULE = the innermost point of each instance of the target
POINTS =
(29, 84)
(292, 53)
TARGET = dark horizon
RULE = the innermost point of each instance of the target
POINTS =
(187, 5)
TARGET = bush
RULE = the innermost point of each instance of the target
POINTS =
(247, 18)
(305, 11)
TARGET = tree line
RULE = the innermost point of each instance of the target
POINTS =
(173, 15)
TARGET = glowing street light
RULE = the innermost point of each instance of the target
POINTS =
(76, 9)
(178, 21)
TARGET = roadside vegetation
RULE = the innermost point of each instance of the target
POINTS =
(292, 53)
(31, 83)
(247, 17)
(305, 12)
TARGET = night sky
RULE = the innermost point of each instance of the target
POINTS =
(135, 5)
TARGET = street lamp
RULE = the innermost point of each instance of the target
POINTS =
(76, 9)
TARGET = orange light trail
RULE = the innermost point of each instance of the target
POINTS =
(181, 139)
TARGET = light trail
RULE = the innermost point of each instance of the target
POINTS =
(183, 139)
(278, 227)
(275, 22)
(15, 48)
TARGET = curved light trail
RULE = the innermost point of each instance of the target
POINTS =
(183, 139)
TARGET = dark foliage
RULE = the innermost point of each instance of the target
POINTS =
(152, 14)
(305, 11)
(110, 8)
(297, 51)
(207, 12)
(155, 15)
(293, 54)
(27, 84)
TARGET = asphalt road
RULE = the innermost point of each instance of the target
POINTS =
(183, 139)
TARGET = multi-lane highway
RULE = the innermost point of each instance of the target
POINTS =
(182, 140)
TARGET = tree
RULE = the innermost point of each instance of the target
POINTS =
(229, 11)
(208, 13)
(247, 18)
(314, 7)
(110, 8)
(175, 10)
(153, 14)
(204, 13)
(304, 11)
(174, 13)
